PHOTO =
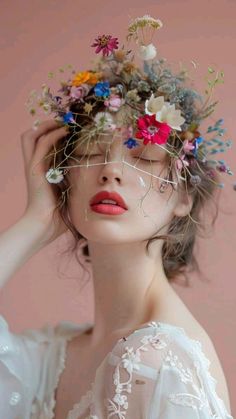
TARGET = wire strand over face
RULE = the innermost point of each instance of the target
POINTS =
(162, 107)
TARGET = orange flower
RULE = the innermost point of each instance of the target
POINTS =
(85, 77)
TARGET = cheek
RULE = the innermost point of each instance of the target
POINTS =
(149, 210)
(154, 209)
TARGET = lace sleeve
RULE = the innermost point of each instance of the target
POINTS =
(184, 387)
(131, 373)
(159, 373)
(21, 361)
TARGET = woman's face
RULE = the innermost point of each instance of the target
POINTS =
(108, 165)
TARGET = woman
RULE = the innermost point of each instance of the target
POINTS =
(132, 191)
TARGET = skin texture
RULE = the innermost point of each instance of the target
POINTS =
(128, 284)
(130, 287)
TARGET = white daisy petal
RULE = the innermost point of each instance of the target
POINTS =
(54, 175)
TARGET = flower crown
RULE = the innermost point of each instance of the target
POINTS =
(163, 106)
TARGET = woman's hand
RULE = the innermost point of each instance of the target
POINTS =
(36, 144)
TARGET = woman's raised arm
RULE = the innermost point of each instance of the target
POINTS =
(36, 227)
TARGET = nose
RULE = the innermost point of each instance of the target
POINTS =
(113, 169)
(111, 172)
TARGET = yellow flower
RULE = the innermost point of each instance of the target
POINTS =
(85, 77)
(88, 107)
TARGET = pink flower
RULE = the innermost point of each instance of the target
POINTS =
(187, 146)
(113, 103)
(106, 44)
(152, 130)
(181, 162)
(79, 92)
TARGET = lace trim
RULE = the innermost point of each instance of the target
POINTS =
(60, 368)
(130, 360)
(84, 403)
(46, 410)
(197, 353)
(201, 400)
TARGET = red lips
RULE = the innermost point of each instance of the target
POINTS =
(108, 195)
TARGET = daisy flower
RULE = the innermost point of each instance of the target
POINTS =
(104, 120)
(54, 175)
(106, 44)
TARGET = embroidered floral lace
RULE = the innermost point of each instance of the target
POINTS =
(157, 372)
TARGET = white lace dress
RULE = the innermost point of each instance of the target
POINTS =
(156, 372)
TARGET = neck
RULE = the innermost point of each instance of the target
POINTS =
(130, 287)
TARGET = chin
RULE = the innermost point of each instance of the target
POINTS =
(103, 231)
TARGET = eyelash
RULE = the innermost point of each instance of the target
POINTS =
(148, 160)
(87, 155)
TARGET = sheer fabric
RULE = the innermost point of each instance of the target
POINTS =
(156, 372)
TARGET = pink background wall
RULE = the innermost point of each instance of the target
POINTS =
(38, 37)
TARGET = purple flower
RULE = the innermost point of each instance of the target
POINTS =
(131, 142)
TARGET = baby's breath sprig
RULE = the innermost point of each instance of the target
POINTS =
(146, 25)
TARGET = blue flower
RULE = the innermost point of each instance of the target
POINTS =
(102, 89)
(131, 142)
(68, 117)
(196, 143)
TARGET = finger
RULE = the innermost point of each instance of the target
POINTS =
(30, 137)
(45, 145)
(42, 128)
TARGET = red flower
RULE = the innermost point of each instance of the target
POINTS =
(151, 130)
(105, 43)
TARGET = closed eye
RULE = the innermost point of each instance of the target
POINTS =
(147, 160)
(87, 155)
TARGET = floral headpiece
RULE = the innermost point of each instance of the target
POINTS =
(163, 106)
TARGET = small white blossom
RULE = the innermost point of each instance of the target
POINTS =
(54, 175)
(104, 120)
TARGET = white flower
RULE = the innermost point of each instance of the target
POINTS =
(104, 120)
(121, 400)
(154, 104)
(54, 175)
(147, 52)
(171, 116)
(131, 359)
(165, 112)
